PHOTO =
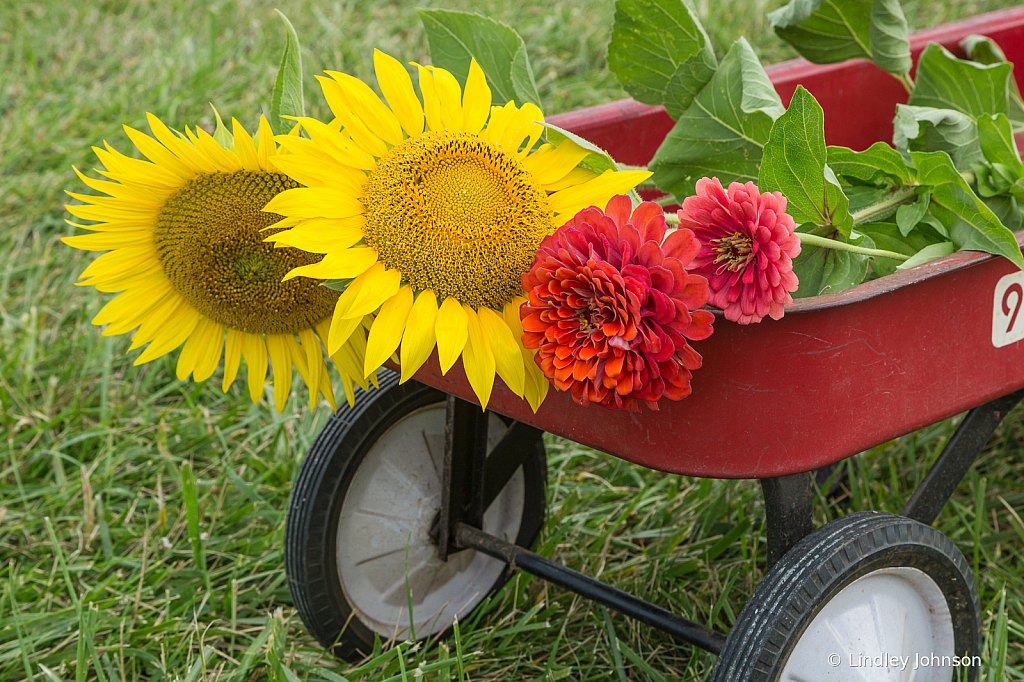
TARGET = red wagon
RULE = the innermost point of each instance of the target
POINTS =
(415, 491)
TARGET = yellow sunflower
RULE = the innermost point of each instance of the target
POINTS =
(187, 251)
(434, 210)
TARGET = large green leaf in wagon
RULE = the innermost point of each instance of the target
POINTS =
(945, 82)
(831, 31)
(660, 52)
(937, 130)
(456, 38)
(794, 163)
(971, 224)
(724, 130)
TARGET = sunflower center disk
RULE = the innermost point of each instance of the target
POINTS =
(209, 243)
(457, 215)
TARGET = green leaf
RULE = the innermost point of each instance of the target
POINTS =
(889, 237)
(1007, 209)
(598, 161)
(995, 135)
(928, 253)
(971, 223)
(890, 46)
(287, 98)
(937, 130)
(822, 270)
(660, 52)
(984, 50)
(945, 82)
(337, 284)
(879, 165)
(456, 38)
(826, 32)
(909, 215)
(724, 130)
(794, 164)
(221, 134)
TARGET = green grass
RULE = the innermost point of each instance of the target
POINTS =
(114, 570)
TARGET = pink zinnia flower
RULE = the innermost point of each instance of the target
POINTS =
(611, 307)
(748, 243)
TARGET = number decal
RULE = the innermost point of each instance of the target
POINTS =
(1014, 288)
(1007, 302)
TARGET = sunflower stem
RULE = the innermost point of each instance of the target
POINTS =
(815, 240)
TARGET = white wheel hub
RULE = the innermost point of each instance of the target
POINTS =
(384, 549)
(891, 625)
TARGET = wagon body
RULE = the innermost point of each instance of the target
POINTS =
(840, 372)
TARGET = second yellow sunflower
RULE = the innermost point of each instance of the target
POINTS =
(434, 210)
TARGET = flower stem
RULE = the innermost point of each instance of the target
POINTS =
(815, 240)
(897, 198)
(907, 81)
(672, 218)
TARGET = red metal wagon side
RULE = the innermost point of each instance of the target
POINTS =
(415, 497)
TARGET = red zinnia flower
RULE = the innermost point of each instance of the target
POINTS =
(748, 243)
(611, 307)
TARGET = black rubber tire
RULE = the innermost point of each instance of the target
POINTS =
(799, 586)
(319, 491)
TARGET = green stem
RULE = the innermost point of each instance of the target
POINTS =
(907, 81)
(884, 207)
(815, 240)
(672, 218)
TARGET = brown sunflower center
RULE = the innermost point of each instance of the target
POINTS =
(209, 243)
(457, 215)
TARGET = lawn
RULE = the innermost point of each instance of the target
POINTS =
(100, 580)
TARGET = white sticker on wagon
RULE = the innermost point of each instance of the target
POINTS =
(1008, 310)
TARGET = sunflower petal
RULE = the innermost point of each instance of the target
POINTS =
(478, 359)
(596, 192)
(184, 151)
(193, 345)
(431, 101)
(104, 241)
(556, 164)
(341, 331)
(223, 159)
(185, 322)
(209, 353)
(244, 147)
(419, 337)
(395, 83)
(254, 350)
(281, 360)
(323, 235)
(232, 357)
(476, 100)
(386, 333)
(365, 139)
(364, 103)
(158, 154)
(312, 172)
(449, 96)
(451, 332)
(265, 147)
(368, 291)
(314, 202)
(536, 384)
(314, 356)
(508, 360)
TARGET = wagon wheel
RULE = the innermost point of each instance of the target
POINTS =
(357, 536)
(869, 584)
